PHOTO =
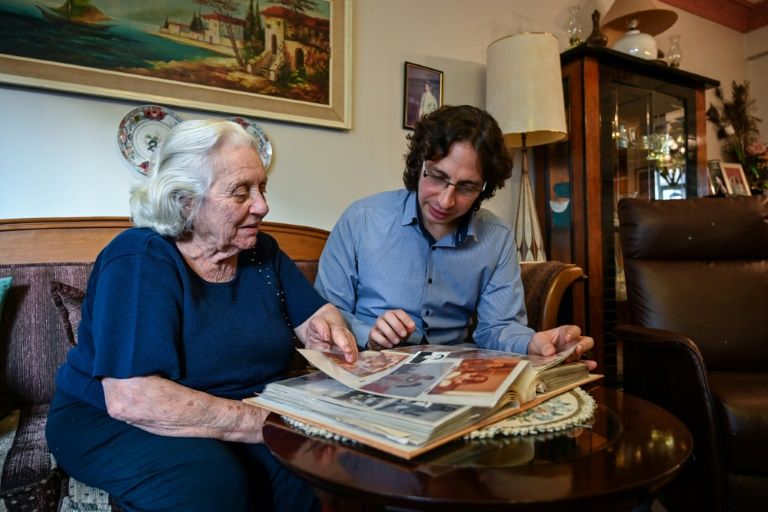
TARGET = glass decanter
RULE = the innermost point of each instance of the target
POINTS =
(575, 30)
(674, 54)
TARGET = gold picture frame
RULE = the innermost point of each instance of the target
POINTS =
(334, 56)
(422, 92)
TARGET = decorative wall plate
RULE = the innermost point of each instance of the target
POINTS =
(141, 131)
(265, 146)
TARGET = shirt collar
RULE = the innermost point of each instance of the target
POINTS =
(412, 217)
(410, 210)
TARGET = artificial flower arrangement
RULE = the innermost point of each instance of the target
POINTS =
(739, 136)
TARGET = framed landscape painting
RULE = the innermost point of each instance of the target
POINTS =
(281, 59)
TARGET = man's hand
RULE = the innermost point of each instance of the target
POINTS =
(390, 329)
(547, 343)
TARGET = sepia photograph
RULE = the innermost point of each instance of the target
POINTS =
(368, 362)
(409, 380)
(479, 375)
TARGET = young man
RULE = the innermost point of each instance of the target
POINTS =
(413, 265)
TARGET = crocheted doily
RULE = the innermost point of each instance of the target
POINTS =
(575, 408)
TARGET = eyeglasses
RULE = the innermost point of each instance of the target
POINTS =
(465, 190)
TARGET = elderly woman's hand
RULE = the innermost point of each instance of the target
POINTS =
(327, 329)
(547, 343)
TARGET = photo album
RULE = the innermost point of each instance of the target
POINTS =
(409, 400)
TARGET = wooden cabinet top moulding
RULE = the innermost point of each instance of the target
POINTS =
(638, 66)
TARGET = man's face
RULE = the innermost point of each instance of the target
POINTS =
(443, 204)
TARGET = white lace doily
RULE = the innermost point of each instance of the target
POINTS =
(316, 431)
(573, 408)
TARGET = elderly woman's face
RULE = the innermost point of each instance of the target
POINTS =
(231, 213)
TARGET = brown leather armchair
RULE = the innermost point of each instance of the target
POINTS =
(697, 285)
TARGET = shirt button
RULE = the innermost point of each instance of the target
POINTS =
(428, 313)
(429, 280)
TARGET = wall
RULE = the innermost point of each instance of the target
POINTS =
(59, 155)
(756, 53)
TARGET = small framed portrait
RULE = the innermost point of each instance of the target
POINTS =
(423, 93)
(716, 179)
(735, 179)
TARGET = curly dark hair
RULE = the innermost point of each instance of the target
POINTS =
(436, 132)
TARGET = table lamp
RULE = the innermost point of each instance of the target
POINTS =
(524, 92)
(636, 15)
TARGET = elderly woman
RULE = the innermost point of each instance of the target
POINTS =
(186, 314)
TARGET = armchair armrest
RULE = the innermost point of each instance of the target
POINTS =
(666, 367)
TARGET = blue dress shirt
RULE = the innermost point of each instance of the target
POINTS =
(378, 258)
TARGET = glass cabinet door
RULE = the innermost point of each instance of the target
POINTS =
(649, 135)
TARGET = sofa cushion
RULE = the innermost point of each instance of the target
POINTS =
(30, 478)
(32, 339)
(68, 301)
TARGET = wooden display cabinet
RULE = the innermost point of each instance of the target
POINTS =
(636, 128)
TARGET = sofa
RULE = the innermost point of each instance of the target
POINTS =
(49, 261)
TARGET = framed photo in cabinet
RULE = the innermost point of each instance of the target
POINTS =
(735, 179)
(715, 178)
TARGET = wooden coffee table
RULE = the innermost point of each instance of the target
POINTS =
(633, 449)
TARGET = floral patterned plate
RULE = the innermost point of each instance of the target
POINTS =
(265, 146)
(141, 131)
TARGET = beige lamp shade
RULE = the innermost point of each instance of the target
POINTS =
(524, 92)
(524, 89)
(651, 18)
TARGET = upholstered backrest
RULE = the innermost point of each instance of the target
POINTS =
(545, 283)
(33, 342)
(38, 252)
(700, 267)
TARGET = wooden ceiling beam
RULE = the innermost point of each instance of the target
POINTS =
(741, 15)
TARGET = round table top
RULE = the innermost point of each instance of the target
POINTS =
(632, 449)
